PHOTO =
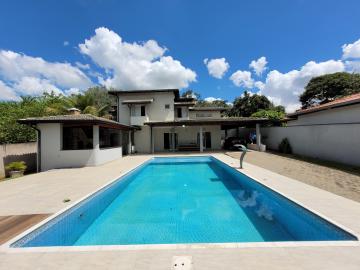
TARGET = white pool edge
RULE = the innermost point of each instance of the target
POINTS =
(6, 247)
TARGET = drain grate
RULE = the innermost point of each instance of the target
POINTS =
(182, 263)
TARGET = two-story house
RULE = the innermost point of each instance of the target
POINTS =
(168, 122)
(147, 121)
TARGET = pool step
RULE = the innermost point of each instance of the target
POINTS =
(182, 263)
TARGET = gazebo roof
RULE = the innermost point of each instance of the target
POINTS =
(75, 119)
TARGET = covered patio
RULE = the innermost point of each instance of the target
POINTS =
(198, 135)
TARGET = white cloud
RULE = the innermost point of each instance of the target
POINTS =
(135, 65)
(66, 43)
(242, 79)
(351, 50)
(82, 66)
(6, 93)
(72, 91)
(26, 75)
(352, 66)
(285, 88)
(259, 66)
(212, 99)
(259, 85)
(33, 86)
(217, 67)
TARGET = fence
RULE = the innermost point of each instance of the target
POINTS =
(18, 152)
(333, 142)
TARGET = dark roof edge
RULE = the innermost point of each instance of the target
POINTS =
(331, 106)
(104, 122)
(116, 92)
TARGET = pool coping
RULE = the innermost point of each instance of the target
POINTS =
(6, 247)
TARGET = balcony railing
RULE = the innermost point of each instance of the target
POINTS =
(138, 120)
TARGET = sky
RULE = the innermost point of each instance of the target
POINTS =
(216, 48)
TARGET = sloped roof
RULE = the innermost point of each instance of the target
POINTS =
(344, 101)
(207, 109)
(75, 119)
(224, 121)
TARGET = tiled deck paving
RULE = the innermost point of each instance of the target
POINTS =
(44, 193)
(336, 178)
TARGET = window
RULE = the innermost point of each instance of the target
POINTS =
(77, 137)
(167, 106)
(109, 137)
(142, 111)
(179, 112)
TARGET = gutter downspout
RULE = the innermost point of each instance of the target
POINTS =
(38, 156)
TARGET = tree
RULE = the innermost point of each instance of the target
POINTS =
(95, 101)
(247, 104)
(191, 94)
(270, 114)
(325, 88)
(215, 103)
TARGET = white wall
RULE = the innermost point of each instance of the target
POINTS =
(18, 152)
(155, 111)
(53, 157)
(347, 114)
(339, 143)
(142, 140)
(204, 114)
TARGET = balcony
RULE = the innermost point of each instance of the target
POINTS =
(138, 120)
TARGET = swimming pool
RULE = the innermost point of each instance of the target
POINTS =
(183, 200)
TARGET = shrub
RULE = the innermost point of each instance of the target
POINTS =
(16, 166)
(285, 147)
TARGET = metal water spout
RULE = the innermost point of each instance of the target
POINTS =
(244, 150)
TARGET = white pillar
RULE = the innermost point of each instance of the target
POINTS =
(201, 139)
(172, 139)
(152, 140)
(258, 136)
(129, 142)
(96, 139)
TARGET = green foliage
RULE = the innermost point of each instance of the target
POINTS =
(94, 101)
(247, 104)
(16, 166)
(325, 88)
(10, 130)
(215, 103)
(285, 147)
(191, 93)
(270, 114)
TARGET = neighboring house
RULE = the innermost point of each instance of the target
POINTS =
(340, 111)
(147, 121)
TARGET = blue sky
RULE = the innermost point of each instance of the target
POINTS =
(148, 44)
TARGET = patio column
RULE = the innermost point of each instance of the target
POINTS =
(152, 140)
(129, 142)
(201, 139)
(96, 139)
(172, 138)
(258, 136)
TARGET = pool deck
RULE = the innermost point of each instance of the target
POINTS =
(44, 194)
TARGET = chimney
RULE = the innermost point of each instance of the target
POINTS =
(74, 111)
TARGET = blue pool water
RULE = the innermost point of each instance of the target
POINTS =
(183, 200)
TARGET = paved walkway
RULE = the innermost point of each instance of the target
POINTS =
(44, 193)
(336, 180)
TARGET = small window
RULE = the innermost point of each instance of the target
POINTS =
(167, 106)
(77, 138)
(179, 112)
(142, 111)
